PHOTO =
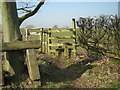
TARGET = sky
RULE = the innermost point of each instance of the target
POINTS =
(61, 13)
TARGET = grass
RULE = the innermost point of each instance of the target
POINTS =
(99, 74)
(76, 74)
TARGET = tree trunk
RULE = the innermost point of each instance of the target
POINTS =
(11, 32)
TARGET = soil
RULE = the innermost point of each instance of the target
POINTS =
(63, 72)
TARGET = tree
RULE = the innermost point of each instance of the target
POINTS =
(11, 32)
(55, 26)
(30, 26)
(100, 35)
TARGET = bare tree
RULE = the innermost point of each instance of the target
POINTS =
(30, 26)
(55, 26)
(100, 34)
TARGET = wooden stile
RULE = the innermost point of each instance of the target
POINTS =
(20, 45)
(50, 38)
(32, 64)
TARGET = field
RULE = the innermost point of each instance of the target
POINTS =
(72, 73)
(81, 74)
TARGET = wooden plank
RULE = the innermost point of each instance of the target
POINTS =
(52, 50)
(55, 44)
(52, 29)
(32, 64)
(60, 30)
(62, 38)
(18, 45)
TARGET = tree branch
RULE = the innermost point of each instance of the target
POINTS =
(24, 9)
(21, 19)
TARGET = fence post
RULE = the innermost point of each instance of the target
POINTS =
(32, 64)
(42, 41)
(75, 34)
(46, 41)
(40, 38)
(73, 23)
(1, 74)
(49, 41)
(66, 50)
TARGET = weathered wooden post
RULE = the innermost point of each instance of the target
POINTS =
(32, 64)
(75, 34)
(66, 51)
(47, 36)
(1, 75)
(49, 41)
(40, 32)
(42, 40)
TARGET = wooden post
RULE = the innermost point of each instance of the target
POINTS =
(32, 64)
(42, 40)
(66, 51)
(73, 23)
(46, 41)
(75, 34)
(49, 41)
(26, 34)
(1, 75)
